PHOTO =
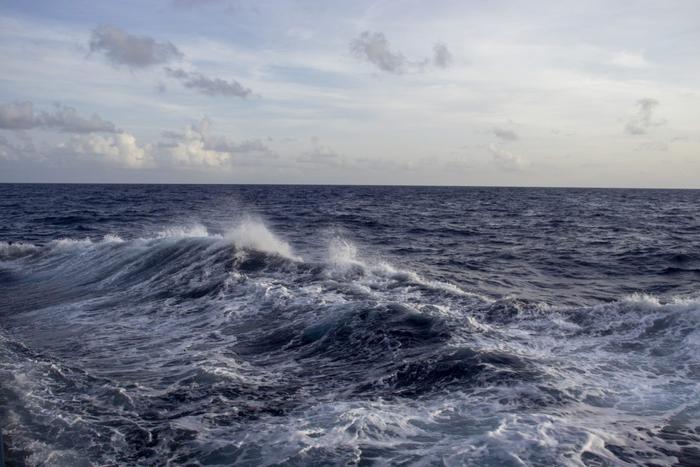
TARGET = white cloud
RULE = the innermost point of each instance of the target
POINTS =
(629, 60)
(119, 150)
(506, 160)
(197, 146)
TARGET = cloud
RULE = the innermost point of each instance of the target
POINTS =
(22, 149)
(196, 146)
(193, 3)
(120, 150)
(629, 60)
(653, 146)
(322, 155)
(17, 116)
(122, 48)
(374, 48)
(506, 160)
(442, 58)
(21, 116)
(208, 86)
(66, 119)
(504, 134)
(643, 120)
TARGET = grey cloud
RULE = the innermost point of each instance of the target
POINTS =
(322, 155)
(374, 48)
(22, 148)
(21, 116)
(643, 119)
(504, 134)
(193, 3)
(66, 119)
(122, 48)
(17, 116)
(442, 58)
(209, 86)
(223, 144)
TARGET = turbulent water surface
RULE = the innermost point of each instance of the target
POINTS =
(264, 325)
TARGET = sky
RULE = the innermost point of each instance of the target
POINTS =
(486, 93)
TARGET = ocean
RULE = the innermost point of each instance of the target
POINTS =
(339, 325)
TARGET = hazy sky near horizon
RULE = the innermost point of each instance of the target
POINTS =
(546, 93)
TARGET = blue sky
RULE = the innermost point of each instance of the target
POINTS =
(549, 93)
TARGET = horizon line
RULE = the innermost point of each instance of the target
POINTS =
(359, 185)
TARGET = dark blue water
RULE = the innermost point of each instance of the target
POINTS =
(298, 325)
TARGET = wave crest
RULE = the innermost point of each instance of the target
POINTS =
(254, 235)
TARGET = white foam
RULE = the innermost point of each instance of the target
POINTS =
(112, 238)
(9, 251)
(252, 234)
(342, 254)
(189, 231)
(343, 257)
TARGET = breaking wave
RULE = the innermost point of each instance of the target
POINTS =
(228, 347)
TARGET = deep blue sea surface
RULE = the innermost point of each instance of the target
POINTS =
(308, 325)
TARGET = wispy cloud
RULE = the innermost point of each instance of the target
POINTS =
(208, 86)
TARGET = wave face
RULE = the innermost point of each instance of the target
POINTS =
(219, 325)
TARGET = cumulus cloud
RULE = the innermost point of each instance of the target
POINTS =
(505, 134)
(197, 146)
(21, 116)
(643, 120)
(120, 150)
(122, 48)
(374, 48)
(442, 58)
(506, 160)
(208, 86)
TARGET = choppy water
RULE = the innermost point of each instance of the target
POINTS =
(263, 325)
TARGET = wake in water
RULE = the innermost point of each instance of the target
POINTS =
(232, 347)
